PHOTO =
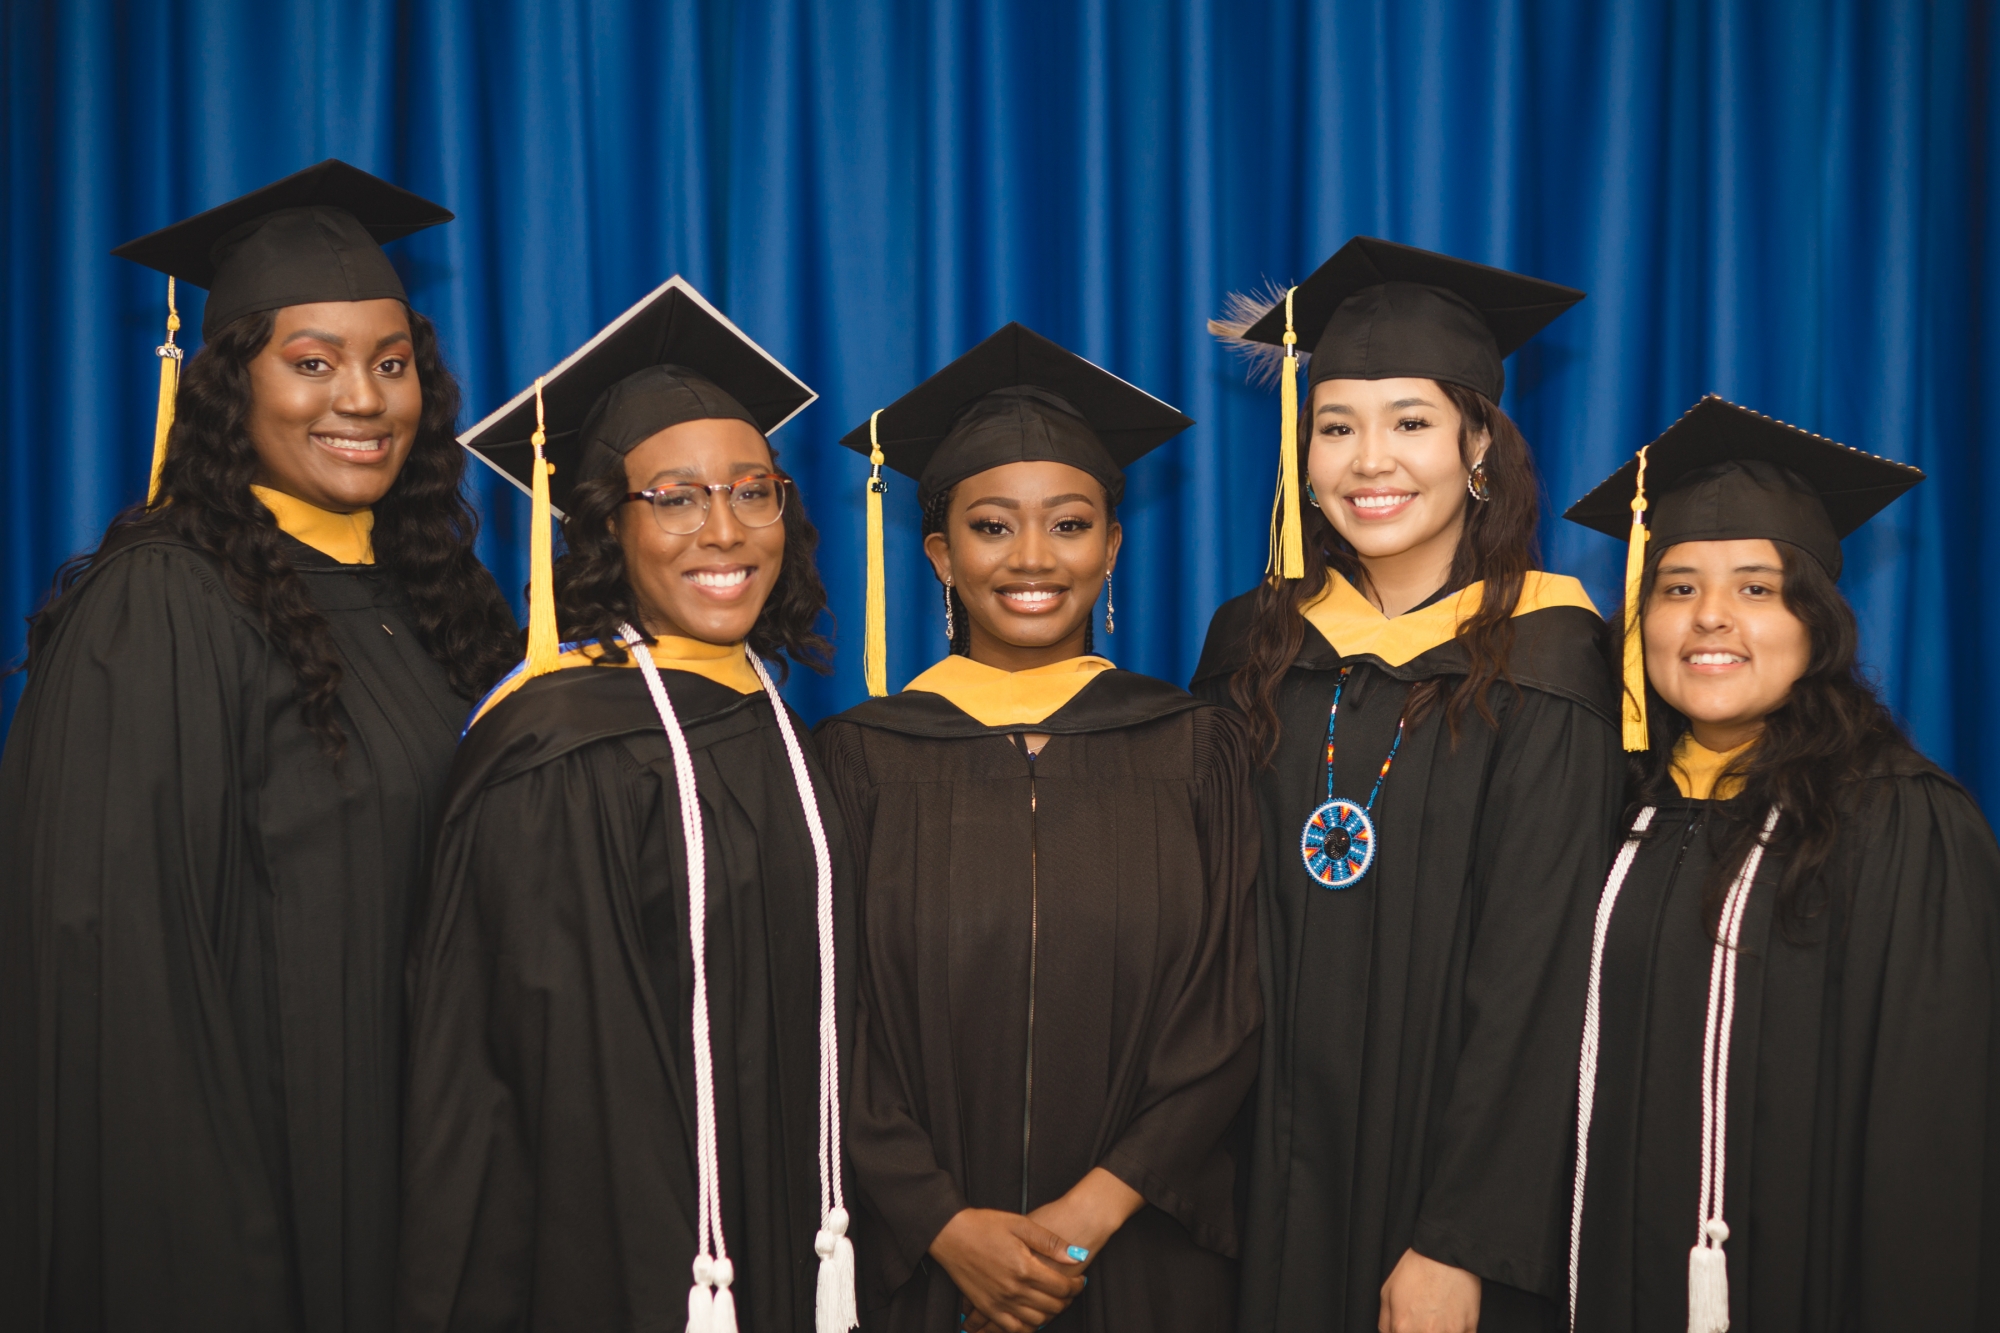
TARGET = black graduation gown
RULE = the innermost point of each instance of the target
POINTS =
(1092, 906)
(1408, 1096)
(1862, 1184)
(551, 1130)
(202, 933)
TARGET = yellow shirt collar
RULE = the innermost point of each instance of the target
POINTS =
(997, 698)
(1355, 628)
(727, 664)
(348, 538)
(1695, 769)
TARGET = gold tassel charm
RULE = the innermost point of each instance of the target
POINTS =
(170, 383)
(1634, 713)
(544, 646)
(1288, 558)
(875, 639)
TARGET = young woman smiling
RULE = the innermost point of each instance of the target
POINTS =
(1059, 1003)
(1790, 1087)
(1438, 781)
(624, 1038)
(218, 799)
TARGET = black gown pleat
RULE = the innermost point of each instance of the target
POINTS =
(551, 1128)
(201, 1032)
(1863, 1156)
(1410, 1095)
(1107, 884)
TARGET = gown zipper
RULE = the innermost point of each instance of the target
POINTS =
(1034, 958)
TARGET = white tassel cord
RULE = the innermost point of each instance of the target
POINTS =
(1708, 1267)
(711, 1303)
(834, 1307)
(711, 1309)
(1586, 1076)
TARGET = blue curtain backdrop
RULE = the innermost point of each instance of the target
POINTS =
(1789, 202)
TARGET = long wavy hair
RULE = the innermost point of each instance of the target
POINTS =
(1496, 545)
(594, 597)
(423, 534)
(1832, 730)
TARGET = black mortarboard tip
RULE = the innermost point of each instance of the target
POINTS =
(1018, 397)
(316, 235)
(671, 358)
(1382, 310)
(1724, 473)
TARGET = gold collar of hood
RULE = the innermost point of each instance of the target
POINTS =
(997, 698)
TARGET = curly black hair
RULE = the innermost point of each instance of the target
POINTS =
(423, 534)
(594, 598)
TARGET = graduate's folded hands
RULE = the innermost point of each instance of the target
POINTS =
(1013, 1270)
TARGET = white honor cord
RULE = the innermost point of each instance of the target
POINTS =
(835, 1309)
(711, 1308)
(1586, 1077)
(1708, 1274)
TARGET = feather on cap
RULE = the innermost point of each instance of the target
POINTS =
(1381, 310)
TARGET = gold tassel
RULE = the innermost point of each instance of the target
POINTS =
(544, 646)
(875, 640)
(170, 383)
(1288, 558)
(1635, 648)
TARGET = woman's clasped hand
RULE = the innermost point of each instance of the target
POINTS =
(1013, 1273)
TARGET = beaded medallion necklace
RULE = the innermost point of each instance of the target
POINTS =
(1338, 841)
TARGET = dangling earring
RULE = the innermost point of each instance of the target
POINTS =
(950, 633)
(1476, 484)
(1311, 499)
(1107, 601)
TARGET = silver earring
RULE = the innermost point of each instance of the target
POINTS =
(1311, 499)
(950, 634)
(1476, 484)
(1107, 601)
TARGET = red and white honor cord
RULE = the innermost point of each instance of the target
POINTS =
(1708, 1271)
(1708, 1268)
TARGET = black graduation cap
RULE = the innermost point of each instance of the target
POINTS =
(1726, 473)
(1017, 397)
(316, 235)
(671, 358)
(1723, 472)
(1378, 310)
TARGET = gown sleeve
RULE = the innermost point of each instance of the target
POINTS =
(1498, 1202)
(1919, 1110)
(908, 1193)
(540, 1178)
(131, 1177)
(1204, 1054)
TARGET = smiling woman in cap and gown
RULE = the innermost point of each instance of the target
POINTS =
(1059, 1003)
(1791, 1065)
(1438, 774)
(624, 1037)
(218, 798)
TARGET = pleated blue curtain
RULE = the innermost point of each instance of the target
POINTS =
(1789, 202)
